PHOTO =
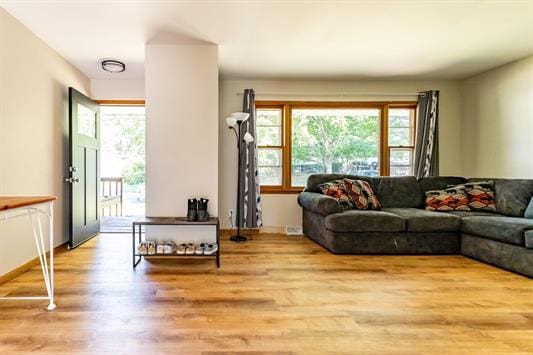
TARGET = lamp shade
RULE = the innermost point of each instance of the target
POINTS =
(240, 116)
(248, 138)
(231, 121)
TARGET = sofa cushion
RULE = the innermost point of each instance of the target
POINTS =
(529, 239)
(398, 192)
(450, 199)
(439, 182)
(316, 179)
(474, 213)
(512, 195)
(365, 221)
(504, 229)
(319, 203)
(427, 221)
(529, 210)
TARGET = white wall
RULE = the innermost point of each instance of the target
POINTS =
(497, 127)
(117, 89)
(281, 210)
(181, 127)
(34, 83)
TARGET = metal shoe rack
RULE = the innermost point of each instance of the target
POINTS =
(171, 221)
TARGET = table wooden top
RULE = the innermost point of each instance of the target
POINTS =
(12, 202)
(173, 221)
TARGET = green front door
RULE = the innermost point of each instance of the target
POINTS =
(84, 169)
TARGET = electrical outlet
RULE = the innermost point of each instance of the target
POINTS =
(231, 213)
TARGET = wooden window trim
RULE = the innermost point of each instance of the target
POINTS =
(286, 132)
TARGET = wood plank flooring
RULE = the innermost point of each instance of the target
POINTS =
(274, 294)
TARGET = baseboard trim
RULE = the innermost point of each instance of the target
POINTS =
(29, 264)
(254, 231)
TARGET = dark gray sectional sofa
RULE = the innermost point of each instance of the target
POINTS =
(403, 226)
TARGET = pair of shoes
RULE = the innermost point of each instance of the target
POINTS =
(160, 248)
(186, 249)
(151, 246)
(210, 249)
(197, 210)
(169, 248)
(142, 248)
(206, 249)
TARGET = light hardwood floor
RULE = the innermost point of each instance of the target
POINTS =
(274, 294)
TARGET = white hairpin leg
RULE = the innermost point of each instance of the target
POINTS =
(37, 229)
(48, 275)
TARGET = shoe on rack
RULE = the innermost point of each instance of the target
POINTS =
(142, 248)
(169, 248)
(191, 249)
(181, 249)
(192, 210)
(202, 210)
(160, 248)
(210, 249)
(200, 249)
(151, 247)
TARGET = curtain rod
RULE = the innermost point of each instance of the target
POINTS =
(336, 94)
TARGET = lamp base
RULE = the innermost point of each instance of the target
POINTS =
(238, 238)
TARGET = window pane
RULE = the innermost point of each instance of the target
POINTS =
(268, 135)
(269, 166)
(401, 161)
(86, 121)
(334, 141)
(401, 126)
(268, 127)
(268, 117)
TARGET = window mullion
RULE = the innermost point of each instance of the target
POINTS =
(287, 146)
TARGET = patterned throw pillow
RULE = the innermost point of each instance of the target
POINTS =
(480, 196)
(335, 189)
(361, 194)
(450, 199)
(356, 193)
(373, 202)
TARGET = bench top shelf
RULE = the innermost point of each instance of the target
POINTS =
(12, 202)
(174, 221)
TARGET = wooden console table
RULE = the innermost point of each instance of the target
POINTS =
(172, 221)
(32, 207)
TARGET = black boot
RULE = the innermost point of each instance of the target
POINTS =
(202, 210)
(192, 210)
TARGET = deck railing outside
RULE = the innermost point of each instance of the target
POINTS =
(111, 196)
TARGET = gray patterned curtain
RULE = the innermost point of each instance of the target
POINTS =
(250, 203)
(426, 161)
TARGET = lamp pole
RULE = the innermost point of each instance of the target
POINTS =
(234, 122)
(238, 238)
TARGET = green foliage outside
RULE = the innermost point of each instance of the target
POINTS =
(332, 138)
(126, 143)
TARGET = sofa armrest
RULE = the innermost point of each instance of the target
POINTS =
(319, 203)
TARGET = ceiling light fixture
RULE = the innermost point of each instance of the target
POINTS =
(113, 66)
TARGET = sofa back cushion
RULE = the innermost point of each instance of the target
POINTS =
(401, 191)
(439, 182)
(512, 195)
(316, 179)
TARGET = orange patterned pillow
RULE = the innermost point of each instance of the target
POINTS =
(450, 199)
(336, 190)
(356, 193)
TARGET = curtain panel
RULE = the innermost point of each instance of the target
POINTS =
(250, 202)
(426, 160)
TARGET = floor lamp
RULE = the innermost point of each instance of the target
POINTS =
(234, 122)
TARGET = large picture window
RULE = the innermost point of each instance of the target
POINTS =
(296, 139)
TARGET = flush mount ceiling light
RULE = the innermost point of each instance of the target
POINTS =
(113, 66)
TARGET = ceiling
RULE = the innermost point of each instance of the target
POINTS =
(292, 39)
